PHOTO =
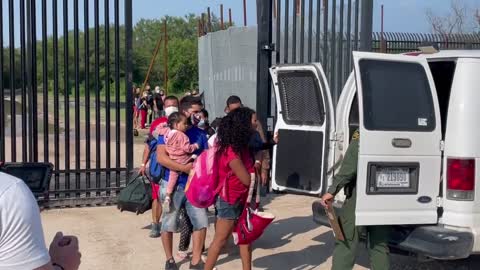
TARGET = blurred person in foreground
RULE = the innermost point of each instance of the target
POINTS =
(22, 244)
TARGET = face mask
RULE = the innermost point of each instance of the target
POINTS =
(202, 124)
(170, 110)
(194, 120)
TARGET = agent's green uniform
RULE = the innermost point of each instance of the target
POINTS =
(345, 251)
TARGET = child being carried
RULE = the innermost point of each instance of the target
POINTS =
(178, 148)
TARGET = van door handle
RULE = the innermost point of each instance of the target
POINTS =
(402, 143)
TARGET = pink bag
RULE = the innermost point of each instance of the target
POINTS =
(203, 183)
(252, 223)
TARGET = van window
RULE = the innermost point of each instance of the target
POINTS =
(396, 97)
(302, 102)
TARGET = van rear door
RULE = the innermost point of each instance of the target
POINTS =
(305, 124)
(399, 163)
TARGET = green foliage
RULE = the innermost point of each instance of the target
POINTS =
(182, 58)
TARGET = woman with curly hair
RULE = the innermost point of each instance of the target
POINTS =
(235, 166)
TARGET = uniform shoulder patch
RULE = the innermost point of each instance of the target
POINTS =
(356, 135)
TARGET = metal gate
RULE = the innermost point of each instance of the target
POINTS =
(65, 94)
(305, 31)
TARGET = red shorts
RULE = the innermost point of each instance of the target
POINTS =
(155, 190)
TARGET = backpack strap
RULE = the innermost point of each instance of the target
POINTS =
(259, 186)
(251, 188)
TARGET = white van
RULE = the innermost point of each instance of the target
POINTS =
(419, 144)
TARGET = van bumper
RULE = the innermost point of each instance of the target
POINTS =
(434, 241)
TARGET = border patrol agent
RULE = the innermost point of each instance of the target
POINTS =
(377, 236)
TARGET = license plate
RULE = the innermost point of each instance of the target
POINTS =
(393, 178)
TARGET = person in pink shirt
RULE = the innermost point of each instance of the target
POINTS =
(236, 167)
(178, 148)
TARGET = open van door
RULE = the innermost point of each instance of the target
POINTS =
(305, 125)
(398, 177)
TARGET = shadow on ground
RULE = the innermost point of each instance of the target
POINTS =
(281, 233)
(284, 230)
(306, 258)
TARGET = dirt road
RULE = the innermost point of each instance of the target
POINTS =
(113, 240)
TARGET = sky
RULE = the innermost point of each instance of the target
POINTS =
(400, 15)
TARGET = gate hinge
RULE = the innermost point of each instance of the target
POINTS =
(442, 145)
(269, 47)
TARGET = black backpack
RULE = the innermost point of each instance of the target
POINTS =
(136, 196)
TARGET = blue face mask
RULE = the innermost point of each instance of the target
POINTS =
(202, 124)
(195, 120)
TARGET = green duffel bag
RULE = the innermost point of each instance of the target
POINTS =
(136, 196)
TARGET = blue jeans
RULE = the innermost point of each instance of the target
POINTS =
(228, 211)
(198, 216)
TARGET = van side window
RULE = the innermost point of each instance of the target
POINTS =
(396, 97)
(302, 101)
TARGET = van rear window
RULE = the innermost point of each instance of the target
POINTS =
(396, 96)
(302, 102)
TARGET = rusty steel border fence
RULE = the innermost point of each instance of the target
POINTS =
(303, 31)
(327, 31)
(46, 119)
(404, 42)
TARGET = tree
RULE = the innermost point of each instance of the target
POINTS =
(460, 19)
(182, 57)
(182, 51)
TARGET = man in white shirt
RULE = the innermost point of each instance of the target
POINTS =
(22, 244)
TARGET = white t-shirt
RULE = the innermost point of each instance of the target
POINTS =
(22, 245)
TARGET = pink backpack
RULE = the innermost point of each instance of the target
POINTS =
(203, 182)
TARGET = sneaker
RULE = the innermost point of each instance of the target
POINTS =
(199, 266)
(166, 205)
(155, 230)
(171, 265)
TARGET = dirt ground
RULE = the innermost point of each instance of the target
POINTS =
(113, 240)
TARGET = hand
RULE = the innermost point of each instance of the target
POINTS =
(142, 170)
(64, 251)
(326, 199)
(187, 167)
(275, 137)
(258, 165)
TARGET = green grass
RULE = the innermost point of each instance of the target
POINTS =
(103, 114)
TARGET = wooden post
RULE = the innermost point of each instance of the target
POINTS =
(244, 12)
(209, 20)
(230, 17)
(221, 17)
(155, 53)
(383, 43)
(199, 28)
